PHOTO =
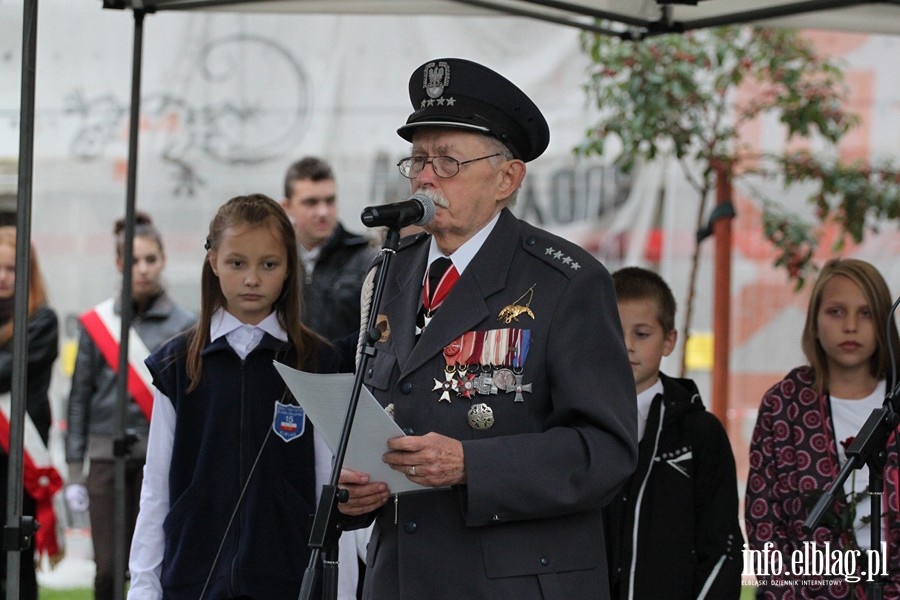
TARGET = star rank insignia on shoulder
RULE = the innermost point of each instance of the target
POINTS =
(566, 258)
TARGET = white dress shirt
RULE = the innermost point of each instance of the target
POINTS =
(465, 253)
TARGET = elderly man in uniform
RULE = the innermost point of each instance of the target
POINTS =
(507, 371)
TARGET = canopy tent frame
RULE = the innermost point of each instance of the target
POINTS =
(19, 530)
(574, 14)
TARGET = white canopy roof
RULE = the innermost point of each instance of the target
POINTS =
(627, 17)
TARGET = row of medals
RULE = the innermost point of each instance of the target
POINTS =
(466, 380)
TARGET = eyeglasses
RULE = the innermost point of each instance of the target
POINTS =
(444, 166)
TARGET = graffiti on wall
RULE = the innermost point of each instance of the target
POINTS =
(223, 112)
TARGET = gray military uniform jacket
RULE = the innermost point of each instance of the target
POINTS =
(528, 523)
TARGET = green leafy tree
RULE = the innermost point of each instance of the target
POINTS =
(674, 95)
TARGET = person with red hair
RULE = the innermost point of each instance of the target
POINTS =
(41, 481)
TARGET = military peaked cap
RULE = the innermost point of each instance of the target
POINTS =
(458, 93)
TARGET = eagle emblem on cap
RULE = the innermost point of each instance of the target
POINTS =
(437, 77)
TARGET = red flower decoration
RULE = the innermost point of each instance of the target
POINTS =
(846, 443)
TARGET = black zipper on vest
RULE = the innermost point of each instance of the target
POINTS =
(241, 479)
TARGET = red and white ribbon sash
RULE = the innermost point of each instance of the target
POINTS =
(103, 325)
(431, 300)
(40, 478)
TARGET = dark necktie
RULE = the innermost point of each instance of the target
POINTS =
(441, 277)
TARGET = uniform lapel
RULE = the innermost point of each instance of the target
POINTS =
(466, 306)
(405, 298)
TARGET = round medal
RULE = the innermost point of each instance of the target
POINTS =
(481, 416)
(504, 379)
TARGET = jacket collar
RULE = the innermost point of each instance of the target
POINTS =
(159, 308)
(465, 307)
(340, 237)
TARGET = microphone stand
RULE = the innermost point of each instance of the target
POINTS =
(326, 529)
(869, 447)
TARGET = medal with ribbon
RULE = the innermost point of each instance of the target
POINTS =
(519, 350)
(483, 363)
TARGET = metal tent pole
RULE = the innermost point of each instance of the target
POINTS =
(125, 440)
(19, 530)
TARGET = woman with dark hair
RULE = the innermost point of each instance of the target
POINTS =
(42, 329)
(93, 398)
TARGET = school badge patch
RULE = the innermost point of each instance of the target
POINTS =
(289, 422)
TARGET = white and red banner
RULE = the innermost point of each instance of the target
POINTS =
(104, 326)
(40, 478)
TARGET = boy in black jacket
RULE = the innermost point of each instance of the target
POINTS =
(673, 532)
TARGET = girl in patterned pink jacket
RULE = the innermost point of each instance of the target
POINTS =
(805, 423)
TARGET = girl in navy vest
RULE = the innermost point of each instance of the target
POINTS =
(232, 464)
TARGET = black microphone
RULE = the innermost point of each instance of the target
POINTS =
(418, 210)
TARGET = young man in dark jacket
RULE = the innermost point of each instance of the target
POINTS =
(334, 261)
(673, 532)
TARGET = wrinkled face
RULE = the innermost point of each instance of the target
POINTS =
(845, 327)
(7, 271)
(466, 202)
(251, 264)
(313, 210)
(645, 339)
(146, 272)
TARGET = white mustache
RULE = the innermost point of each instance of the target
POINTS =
(436, 197)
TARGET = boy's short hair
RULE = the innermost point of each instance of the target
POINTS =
(308, 167)
(636, 283)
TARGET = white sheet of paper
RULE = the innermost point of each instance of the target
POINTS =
(325, 398)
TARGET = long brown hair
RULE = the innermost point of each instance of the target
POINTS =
(37, 293)
(875, 290)
(254, 210)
